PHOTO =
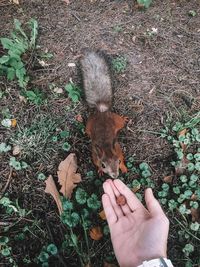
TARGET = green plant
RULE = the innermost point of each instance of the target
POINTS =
(47, 252)
(12, 64)
(182, 196)
(34, 96)
(74, 92)
(144, 3)
(4, 148)
(119, 64)
(17, 165)
(6, 250)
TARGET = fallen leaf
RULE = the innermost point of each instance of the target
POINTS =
(136, 188)
(183, 133)
(195, 215)
(13, 123)
(66, 1)
(121, 200)
(52, 190)
(194, 197)
(22, 99)
(79, 118)
(102, 215)
(71, 64)
(58, 90)
(133, 39)
(15, 2)
(96, 233)
(106, 264)
(168, 179)
(16, 150)
(67, 176)
(43, 63)
(181, 167)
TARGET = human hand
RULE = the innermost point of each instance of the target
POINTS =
(137, 233)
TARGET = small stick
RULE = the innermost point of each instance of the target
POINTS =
(7, 183)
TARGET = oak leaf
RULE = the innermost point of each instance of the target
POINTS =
(96, 233)
(67, 176)
(51, 189)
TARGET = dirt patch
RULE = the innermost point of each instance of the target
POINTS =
(161, 46)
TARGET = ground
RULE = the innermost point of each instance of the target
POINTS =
(161, 80)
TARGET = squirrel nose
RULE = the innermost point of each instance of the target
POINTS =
(114, 175)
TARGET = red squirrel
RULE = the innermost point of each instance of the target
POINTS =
(102, 126)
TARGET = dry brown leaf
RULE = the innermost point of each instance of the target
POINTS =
(96, 233)
(180, 169)
(13, 122)
(168, 179)
(79, 118)
(106, 264)
(51, 189)
(66, 1)
(67, 176)
(183, 133)
(195, 215)
(16, 150)
(15, 2)
(102, 215)
(136, 188)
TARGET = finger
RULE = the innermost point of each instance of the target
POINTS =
(125, 208)
(152, 203)
(109, 211)
(109, 191)
(132, 201)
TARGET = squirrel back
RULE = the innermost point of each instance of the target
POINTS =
(97, 82)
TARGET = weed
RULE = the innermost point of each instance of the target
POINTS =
(119, 64)
(6, 250)
(4, 148)
(34, 96)
(35, 139)
(144, 3)
(74, 92)
(12, 64)
(182, 197)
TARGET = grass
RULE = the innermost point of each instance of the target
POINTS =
(46, 137)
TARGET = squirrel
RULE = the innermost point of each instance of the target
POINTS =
(102, 126)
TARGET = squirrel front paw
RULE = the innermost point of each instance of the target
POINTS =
(100, 172)
(123, 168)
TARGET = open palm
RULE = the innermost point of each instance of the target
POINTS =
(137, 233)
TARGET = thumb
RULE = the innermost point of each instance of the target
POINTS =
(152, 203)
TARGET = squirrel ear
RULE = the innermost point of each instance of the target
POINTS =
(99, 150)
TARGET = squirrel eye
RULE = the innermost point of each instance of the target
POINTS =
(103, 165)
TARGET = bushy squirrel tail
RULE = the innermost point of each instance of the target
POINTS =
(97, 82)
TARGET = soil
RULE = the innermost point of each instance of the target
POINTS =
(161, 45)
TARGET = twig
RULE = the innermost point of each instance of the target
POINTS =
(7, 183)
(73, 14)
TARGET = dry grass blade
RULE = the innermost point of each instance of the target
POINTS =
(52, 190)
(67, 176)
